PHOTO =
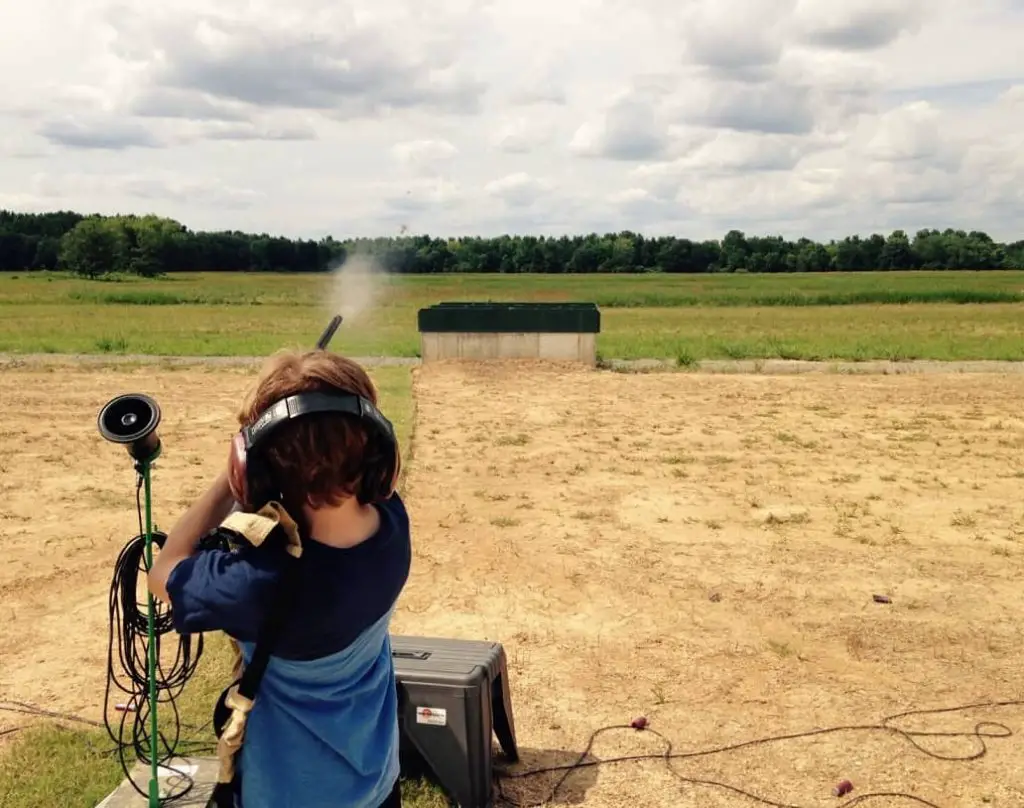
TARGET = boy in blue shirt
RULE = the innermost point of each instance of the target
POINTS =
(323, 729)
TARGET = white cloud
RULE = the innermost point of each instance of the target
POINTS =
(472, 116)
(864, 25)
(424, 154)
(628, 129)
(159, 187)
(735, 37)
(420, 195)
(910, 133)
(519, 189)
(521, 134)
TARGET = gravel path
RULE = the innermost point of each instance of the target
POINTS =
(762, 366)
(16, 360)
(790, 366)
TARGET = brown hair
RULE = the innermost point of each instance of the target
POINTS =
(319, 459)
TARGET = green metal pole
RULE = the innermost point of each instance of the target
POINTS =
(154, 784)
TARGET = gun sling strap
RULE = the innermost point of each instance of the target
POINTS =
(235, 703)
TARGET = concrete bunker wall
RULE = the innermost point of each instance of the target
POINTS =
(480, 331)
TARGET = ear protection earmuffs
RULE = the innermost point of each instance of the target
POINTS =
(251, 480)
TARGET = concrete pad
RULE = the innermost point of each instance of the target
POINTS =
(202, 771)
(508, 345)
(518, 346)
(477, 346)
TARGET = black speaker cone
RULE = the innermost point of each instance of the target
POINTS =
(131, 420)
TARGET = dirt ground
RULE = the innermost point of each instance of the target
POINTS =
(704, 550)
(700, 549)
(68, 506)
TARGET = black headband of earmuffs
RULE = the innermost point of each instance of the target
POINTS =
(299, 405)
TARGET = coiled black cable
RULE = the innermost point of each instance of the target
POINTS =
(129, 634)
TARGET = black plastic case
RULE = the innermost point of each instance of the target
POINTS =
(452, 696)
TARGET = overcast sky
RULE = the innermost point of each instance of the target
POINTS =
(455, 117)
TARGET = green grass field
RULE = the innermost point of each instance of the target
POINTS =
(839, 316)
(62, 764)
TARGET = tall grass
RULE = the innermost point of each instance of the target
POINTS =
(614, 300)
(611, 291)
(854, 297)
(868, 315)
(152, 297)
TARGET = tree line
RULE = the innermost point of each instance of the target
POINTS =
(93, 246)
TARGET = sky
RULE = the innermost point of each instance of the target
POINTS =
(816, 118)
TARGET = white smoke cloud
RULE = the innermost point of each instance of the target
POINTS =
(356, 288)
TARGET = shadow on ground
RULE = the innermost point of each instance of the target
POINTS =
(560, 787)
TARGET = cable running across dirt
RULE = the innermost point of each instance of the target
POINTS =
(982, 730)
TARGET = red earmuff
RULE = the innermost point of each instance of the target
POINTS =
(237, 470)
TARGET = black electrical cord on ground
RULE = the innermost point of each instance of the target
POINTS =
(129, 618)
(24, 708)
(982, 730)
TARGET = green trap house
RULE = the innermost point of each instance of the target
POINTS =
(559, 331)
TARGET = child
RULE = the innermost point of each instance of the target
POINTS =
(323, 730)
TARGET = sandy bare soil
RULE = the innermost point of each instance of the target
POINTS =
(700, 549)
(704, 550)
(68, 506)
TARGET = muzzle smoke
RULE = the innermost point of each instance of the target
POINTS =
(356, 288)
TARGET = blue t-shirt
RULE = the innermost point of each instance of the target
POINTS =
(323, 730)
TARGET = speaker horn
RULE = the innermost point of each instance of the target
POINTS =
(131, 420)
